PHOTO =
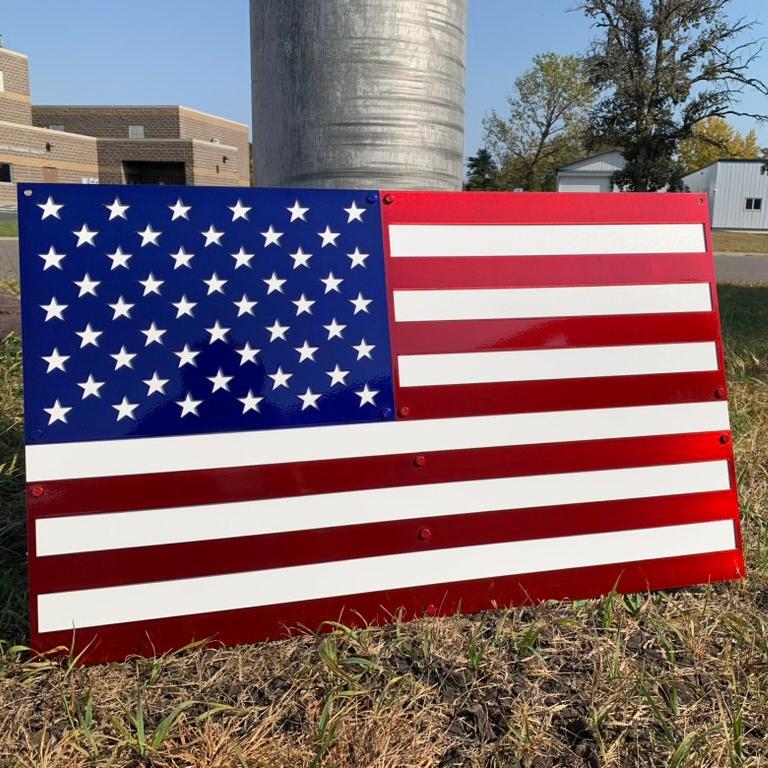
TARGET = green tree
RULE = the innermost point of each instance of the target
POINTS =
(546, 121)
(481, 171)
(663, 66)
(714, 138)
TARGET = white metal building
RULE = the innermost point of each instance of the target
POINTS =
(738, 193)
(590, 174)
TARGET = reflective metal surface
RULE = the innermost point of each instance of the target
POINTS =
(358, 93)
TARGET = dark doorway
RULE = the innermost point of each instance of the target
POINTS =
(144, 172)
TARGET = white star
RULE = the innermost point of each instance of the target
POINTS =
(334, 329)
(188, 405)
(363, 349)
(186, 356)
(242, 258)
(329, 238)
(337, 375)
(85, 235)
(215, 284)
(119, 259)
(182, 258)
(57, 412)
(212, 236)
(279, 378)
(358, 259)
(125, 409)
(332, 283)
(300, 259)
(184, 307)
(217, 332)
(91, 387)
(274, 283)
(250, 402)
(308, 400)
(180, 211)
(54, 309)
(149, 236)
(123, 359)
(121, 308)
(117, 210)
(155, 384)
(361, 303)
(247, 353)
(88, 336)
(303, 304)
(354, 213)
(220, 381)
(154, 335)
(52, 259)
(244, 306)
(306, 352)
(56, 361)
(367, 396)
(277, 331)
(271, 237)
(297, 212)
(50, 208)
(86, 285)
(239, 211)
(151, 285)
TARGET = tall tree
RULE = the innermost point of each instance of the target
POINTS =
(481, 171)
(714, 138)
(544, 128)
(662, 67)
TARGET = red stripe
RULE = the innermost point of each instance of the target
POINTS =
(551, 208)
(255, 553)
(131, 492)
(273, 622)
(435, 272)
(551, 333)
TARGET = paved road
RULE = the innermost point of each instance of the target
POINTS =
(731, 267)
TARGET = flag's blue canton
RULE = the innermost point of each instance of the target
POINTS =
(179, 310)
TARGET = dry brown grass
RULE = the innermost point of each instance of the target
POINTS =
(741, 242)
(670, 679)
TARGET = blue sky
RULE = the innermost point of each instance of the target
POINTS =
(195, 53)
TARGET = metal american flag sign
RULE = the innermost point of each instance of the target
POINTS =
(252, 410)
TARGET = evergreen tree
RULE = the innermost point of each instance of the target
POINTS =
(481, 171)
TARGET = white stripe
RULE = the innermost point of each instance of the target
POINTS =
(66, 461)
(184, 597)
(118, 530)
(567, 363)
(581, 301)
(543, 239)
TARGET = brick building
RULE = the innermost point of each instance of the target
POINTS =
(111, 144)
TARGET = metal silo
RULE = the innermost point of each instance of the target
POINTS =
(358, 93)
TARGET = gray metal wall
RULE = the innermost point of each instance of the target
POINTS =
(358, 93)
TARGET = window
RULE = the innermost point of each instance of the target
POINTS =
(135, 131)
(2, 80)
(754, 203)
(5, 173)
(56, 127)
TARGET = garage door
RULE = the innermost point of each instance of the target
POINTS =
(566, 183)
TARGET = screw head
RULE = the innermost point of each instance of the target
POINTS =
(430, 610)
(404, 411)
(36, 434)
(37, 491)
(389, 198)
(420, 461)
(27, 193)
(720, 393)
(386, 412)
(371, 197)
(425, 534)
(723, 439)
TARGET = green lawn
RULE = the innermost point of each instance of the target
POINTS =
(669, 679)
(9, 229)
(743, 242)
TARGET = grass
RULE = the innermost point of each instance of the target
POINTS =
(741, 242)
(669, 679)
(9, 229)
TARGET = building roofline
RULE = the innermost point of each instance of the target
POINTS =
(14, 53)
(589, 157)
(138, 106)
(161, 139)
(728, 160)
